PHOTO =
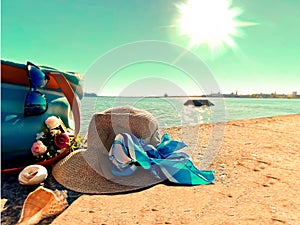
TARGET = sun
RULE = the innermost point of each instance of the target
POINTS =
(211, 22)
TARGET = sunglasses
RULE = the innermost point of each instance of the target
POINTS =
(35, 102)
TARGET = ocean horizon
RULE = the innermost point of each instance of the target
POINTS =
(171, 111)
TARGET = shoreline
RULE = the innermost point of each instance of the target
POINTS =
(257, 170)
(254, 95)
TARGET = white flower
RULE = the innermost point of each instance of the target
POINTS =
(39, 135)
(52, 122)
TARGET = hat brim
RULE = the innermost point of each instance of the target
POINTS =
(74, 173)
(89, 171)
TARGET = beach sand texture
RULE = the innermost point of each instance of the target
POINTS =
(257, 182)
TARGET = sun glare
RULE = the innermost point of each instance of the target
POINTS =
(211, 22)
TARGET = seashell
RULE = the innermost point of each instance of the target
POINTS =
(42, 203)
(33, 174)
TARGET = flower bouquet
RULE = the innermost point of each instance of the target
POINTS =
(54, 142)
(51, 145)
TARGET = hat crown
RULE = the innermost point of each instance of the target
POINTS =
(124, 119)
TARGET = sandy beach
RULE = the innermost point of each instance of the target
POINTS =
(257, 182)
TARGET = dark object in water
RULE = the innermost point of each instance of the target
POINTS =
(198, 102)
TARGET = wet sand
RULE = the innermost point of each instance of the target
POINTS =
(257, 182)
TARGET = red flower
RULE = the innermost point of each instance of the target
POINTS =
(61, 140)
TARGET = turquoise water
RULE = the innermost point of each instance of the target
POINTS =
(172, 112)
(245, 108)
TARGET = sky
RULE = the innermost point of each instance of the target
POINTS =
(140, 47)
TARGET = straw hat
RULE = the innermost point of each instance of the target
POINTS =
(89, 170)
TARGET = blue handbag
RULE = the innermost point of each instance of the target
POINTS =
(63, 93)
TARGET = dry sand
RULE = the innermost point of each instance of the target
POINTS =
(257, 182)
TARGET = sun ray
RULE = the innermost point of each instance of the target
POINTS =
(214, 23)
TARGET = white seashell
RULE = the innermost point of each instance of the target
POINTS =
(42, 203)
(32, 175)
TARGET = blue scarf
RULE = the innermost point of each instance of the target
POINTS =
(165, 161)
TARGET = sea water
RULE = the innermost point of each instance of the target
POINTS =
(171, 111)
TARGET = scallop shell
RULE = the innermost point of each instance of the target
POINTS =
(33, 174)
(42, 203)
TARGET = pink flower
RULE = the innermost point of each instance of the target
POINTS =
(52, 122)
(38, 148)
(61, 140)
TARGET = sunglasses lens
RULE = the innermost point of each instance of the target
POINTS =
(35, 104)
(37, 78)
